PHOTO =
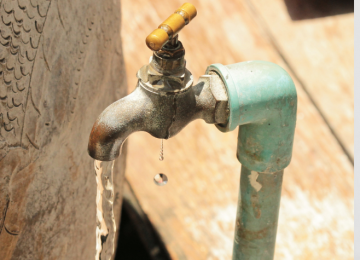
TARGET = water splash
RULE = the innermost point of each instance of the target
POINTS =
(161, 157)
(105, 221)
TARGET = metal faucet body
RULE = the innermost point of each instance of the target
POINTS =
(163, 102)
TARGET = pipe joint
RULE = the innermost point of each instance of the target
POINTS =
(263, 102)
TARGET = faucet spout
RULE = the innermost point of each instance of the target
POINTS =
(160, 113)
(135, 112)
(115, 124)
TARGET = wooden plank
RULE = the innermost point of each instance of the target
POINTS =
(195, 212)
(321, 53)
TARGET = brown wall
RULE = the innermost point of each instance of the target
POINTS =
(61, 64)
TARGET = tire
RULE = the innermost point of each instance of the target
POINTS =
(61, 64)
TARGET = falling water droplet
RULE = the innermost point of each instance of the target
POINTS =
(161, 157)
(160, 179)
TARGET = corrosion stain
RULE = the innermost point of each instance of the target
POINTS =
(252, 235)
(255, 156)
(253, 149)
(256, 206)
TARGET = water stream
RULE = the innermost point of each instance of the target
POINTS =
(161, 156)
(105, 221)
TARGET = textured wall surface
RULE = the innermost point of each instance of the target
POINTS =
(61, 64)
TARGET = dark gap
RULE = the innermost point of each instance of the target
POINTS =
(138, 239)
(310, 9)
(130, 246)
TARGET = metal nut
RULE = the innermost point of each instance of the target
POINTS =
(219, 92)
(156, 77)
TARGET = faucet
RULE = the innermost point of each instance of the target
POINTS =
(258, 96)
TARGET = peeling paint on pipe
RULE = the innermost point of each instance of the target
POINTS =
(257, 216)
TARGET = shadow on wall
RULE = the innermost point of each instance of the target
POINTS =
(310, 9)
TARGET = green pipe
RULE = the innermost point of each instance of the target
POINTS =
(257, 215)
(263, 102)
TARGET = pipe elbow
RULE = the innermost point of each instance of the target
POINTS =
(263, 102)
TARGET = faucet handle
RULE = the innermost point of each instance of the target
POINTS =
(171, 27)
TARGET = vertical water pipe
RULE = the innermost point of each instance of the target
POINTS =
(263, 102)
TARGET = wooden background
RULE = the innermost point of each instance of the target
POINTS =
(195, 212)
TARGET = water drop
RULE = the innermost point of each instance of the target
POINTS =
(160, 179)
(161, 157)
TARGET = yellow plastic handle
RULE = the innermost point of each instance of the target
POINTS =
(171, 27)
